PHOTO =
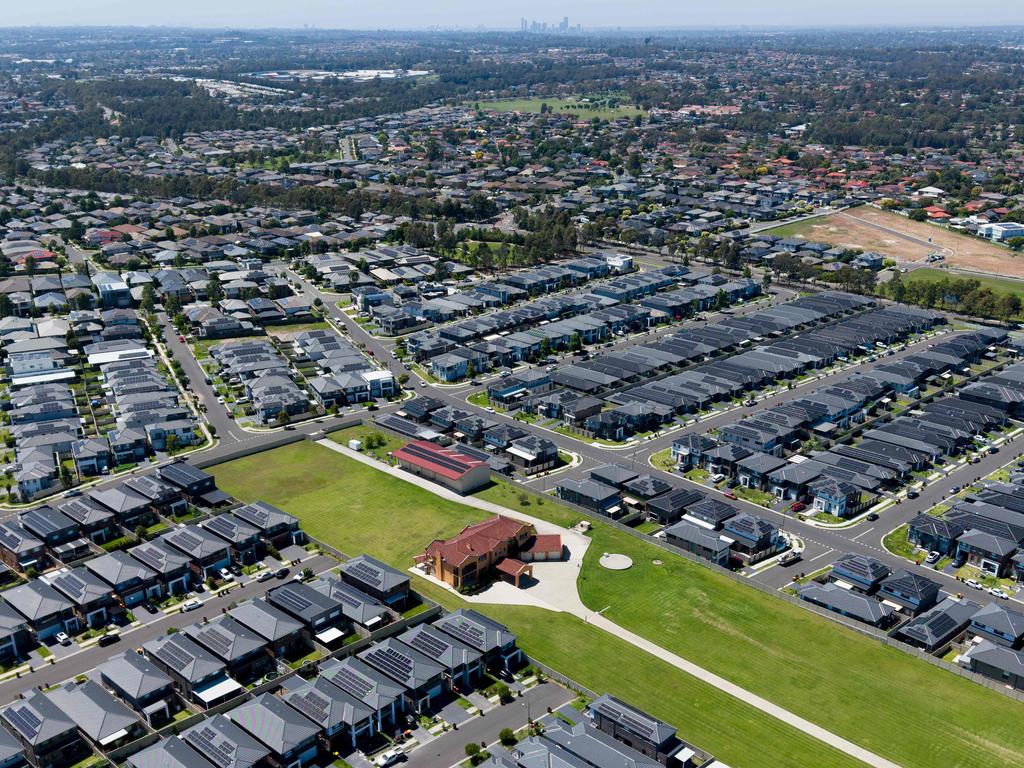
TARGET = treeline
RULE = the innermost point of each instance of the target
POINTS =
(959, 294)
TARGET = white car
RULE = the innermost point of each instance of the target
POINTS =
(385, 759)
(190, 605)
(226, 574)
(973, 583)
(999, 593)
(717, 477)
(62, 638)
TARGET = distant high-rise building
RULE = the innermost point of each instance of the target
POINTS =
(522, 24)
(564, 26)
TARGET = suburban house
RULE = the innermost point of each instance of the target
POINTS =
(470, 558)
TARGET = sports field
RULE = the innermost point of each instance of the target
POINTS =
(900, 238)
(881, 698)
(578, 107)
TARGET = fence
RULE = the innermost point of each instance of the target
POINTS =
(852, 624)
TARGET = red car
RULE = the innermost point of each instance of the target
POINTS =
(730, 495)
(797, 506)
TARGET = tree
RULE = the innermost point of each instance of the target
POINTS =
(507, 737)
(897, 288)
(171, 442)
(148, 303)
(66, 478)
(282, 418)
(214, 291)
(473, 752)
(6, 308)
(471, 369)
(575, 342)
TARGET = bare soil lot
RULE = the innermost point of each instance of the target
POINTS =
(898, 237)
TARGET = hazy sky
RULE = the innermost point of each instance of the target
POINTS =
(406, 14)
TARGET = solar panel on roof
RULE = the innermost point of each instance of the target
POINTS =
(9, 539)
(366, 573)
(222, 525)
(70, 584)
(187, 540)
(469, 633)
(150, 556)
(428, 644)
(312, 705)
(24, 720)
(443, 459)
(291, 600)
(213, 745)
(179, 657)
(396, 664)
(217, 640)
(352, 682)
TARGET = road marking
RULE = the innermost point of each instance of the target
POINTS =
(862, 533)
(826, 552)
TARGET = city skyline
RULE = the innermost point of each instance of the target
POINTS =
(593, 15)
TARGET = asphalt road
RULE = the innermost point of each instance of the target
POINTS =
(82, 661)
(449, 749)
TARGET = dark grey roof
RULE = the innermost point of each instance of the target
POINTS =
(170, 752)
(632, 720)
(475, 630)
(356, 605)
(35, 718)
(845, 601)
(263, 515)
(274, 723)
(118, 568)
(370, 571)
(265, 620)
(98, 714)
(941, 623)
(1000, 618)
(439, 646)
(326, 704)
(402, 663)
(36, 600)
(79, 585)
(183, 655)
(226, 638)
(361, 681)
(224, 744)
(134, 674)
(863, 566)
(194, 541)
(9, 748)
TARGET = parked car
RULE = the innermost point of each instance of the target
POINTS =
(385, 759)
(62, 638)
(109, 639)
(872, 517)
(236, 569)
(973, 583)
(959, 561)
(282, 573)
(730, 495)
(797, 506)
(227, 575)
(789, 558)
(717, 477)
(913, 493)
(955, 489)
(933, 557)
(999, 593)
(265, 576)
(190, 605)
(149, 607)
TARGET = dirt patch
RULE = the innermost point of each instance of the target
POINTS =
(905, 240)
(961, 251)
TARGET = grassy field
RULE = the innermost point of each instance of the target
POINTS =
(346, 504)
(997, 284)
(912, 713)
(585, 110)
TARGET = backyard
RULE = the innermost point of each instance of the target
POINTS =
(749, 637)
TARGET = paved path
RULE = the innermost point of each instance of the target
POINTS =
(566, 598)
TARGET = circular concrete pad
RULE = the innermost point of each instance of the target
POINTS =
(614, 562)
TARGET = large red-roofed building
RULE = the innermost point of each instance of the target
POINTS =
(471, 558)
(446, 466)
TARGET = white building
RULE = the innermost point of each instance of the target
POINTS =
(1002, 231)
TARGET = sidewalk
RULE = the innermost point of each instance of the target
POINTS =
(566, 598)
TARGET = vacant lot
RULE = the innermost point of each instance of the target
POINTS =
(996, 284)
(890, 234)
(891, 703)
(585, 110)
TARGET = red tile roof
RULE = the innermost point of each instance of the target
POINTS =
(476, 540)
(446, 462)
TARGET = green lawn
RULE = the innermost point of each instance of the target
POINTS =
(344, 503)
(388, 442)
(997, 284)
(663, 460)
(847, 683)
(897, 543)
(597, 107)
